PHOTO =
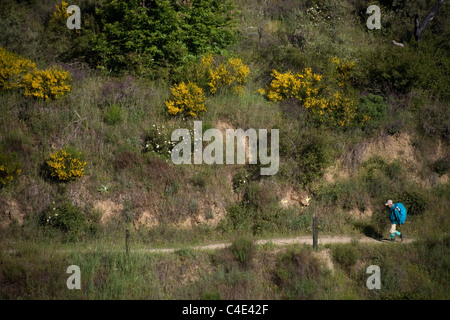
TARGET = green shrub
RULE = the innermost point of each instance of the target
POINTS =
(297, 274)
(186, 253)
(143, 35)
(441, 166)
(243, 249)
(114, 114)
(372, 109)
(193, 206)
(345, 255)
(199, 180)
(313, 159)
(172, 187)
(211, 295)
(67, 218)
(158, 140)
(414, 201)
(434, 120)
(10, 167)
(240, 180)
(65, 165)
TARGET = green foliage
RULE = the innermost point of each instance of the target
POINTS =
(374, 108)
(240, 180)
(211, 295)
(434, 119)
(414, 201)
(345, 255)
(158, 140)
(65, 165)
(67, 218)
(308, 154)
(146, 34)
(200, 180)
(186, 253)
(441, 166)
(114, 114)
(297, 274)
(243, 249)
(10, 166)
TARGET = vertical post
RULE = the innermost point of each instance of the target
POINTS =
(127, 241)
(315, 232)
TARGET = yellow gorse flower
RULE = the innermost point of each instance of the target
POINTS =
(18, 72)
(343, 70)
(187, 99)
(331, 108)
(231, 74)
(65, 166)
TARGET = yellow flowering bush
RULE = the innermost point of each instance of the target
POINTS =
(9, 167)
(289, 85)
(12, 69)
(187, 99)
(60, 15)
(329, 107)
(231, 74)
(18, 72)
(46, 84)
(64, 165)
(342, 70)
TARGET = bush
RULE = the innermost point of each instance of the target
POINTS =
(231, 74)
(187, 99)
(10, 167)
(12, 69)
(243, 249)
(65, 165)
(296, 273)
(441, 166)
(240, 180)
(372, 109)
(199, 180)
(414, 202)
(313, 159)
(345, 255)
(334, 108)
(114, 114)
(158, 140)
(17, 72)
(67, 218)
(434, 120)
(142, 35)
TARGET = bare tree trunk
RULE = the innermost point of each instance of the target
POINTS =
(419, 29)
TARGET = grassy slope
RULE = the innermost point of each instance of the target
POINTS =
(288, 38)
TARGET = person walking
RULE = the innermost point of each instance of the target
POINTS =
(397, 215)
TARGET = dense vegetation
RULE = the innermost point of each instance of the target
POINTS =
(85, 133)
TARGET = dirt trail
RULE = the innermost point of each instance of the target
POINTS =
(216, 246)
(280, 242)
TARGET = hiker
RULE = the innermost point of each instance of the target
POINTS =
(397, 215)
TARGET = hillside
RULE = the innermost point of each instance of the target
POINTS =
(87, 148)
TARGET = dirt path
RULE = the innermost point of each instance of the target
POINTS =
(280, 242)
(216, 246)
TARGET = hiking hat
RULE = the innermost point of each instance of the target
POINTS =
(389, 202)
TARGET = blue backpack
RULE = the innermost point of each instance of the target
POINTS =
(399, 213)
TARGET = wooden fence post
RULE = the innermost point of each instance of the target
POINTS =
(315, 232)
(127, 241)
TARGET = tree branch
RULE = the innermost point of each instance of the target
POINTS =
(419, 29)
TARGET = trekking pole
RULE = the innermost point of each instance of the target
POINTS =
(315, 232)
